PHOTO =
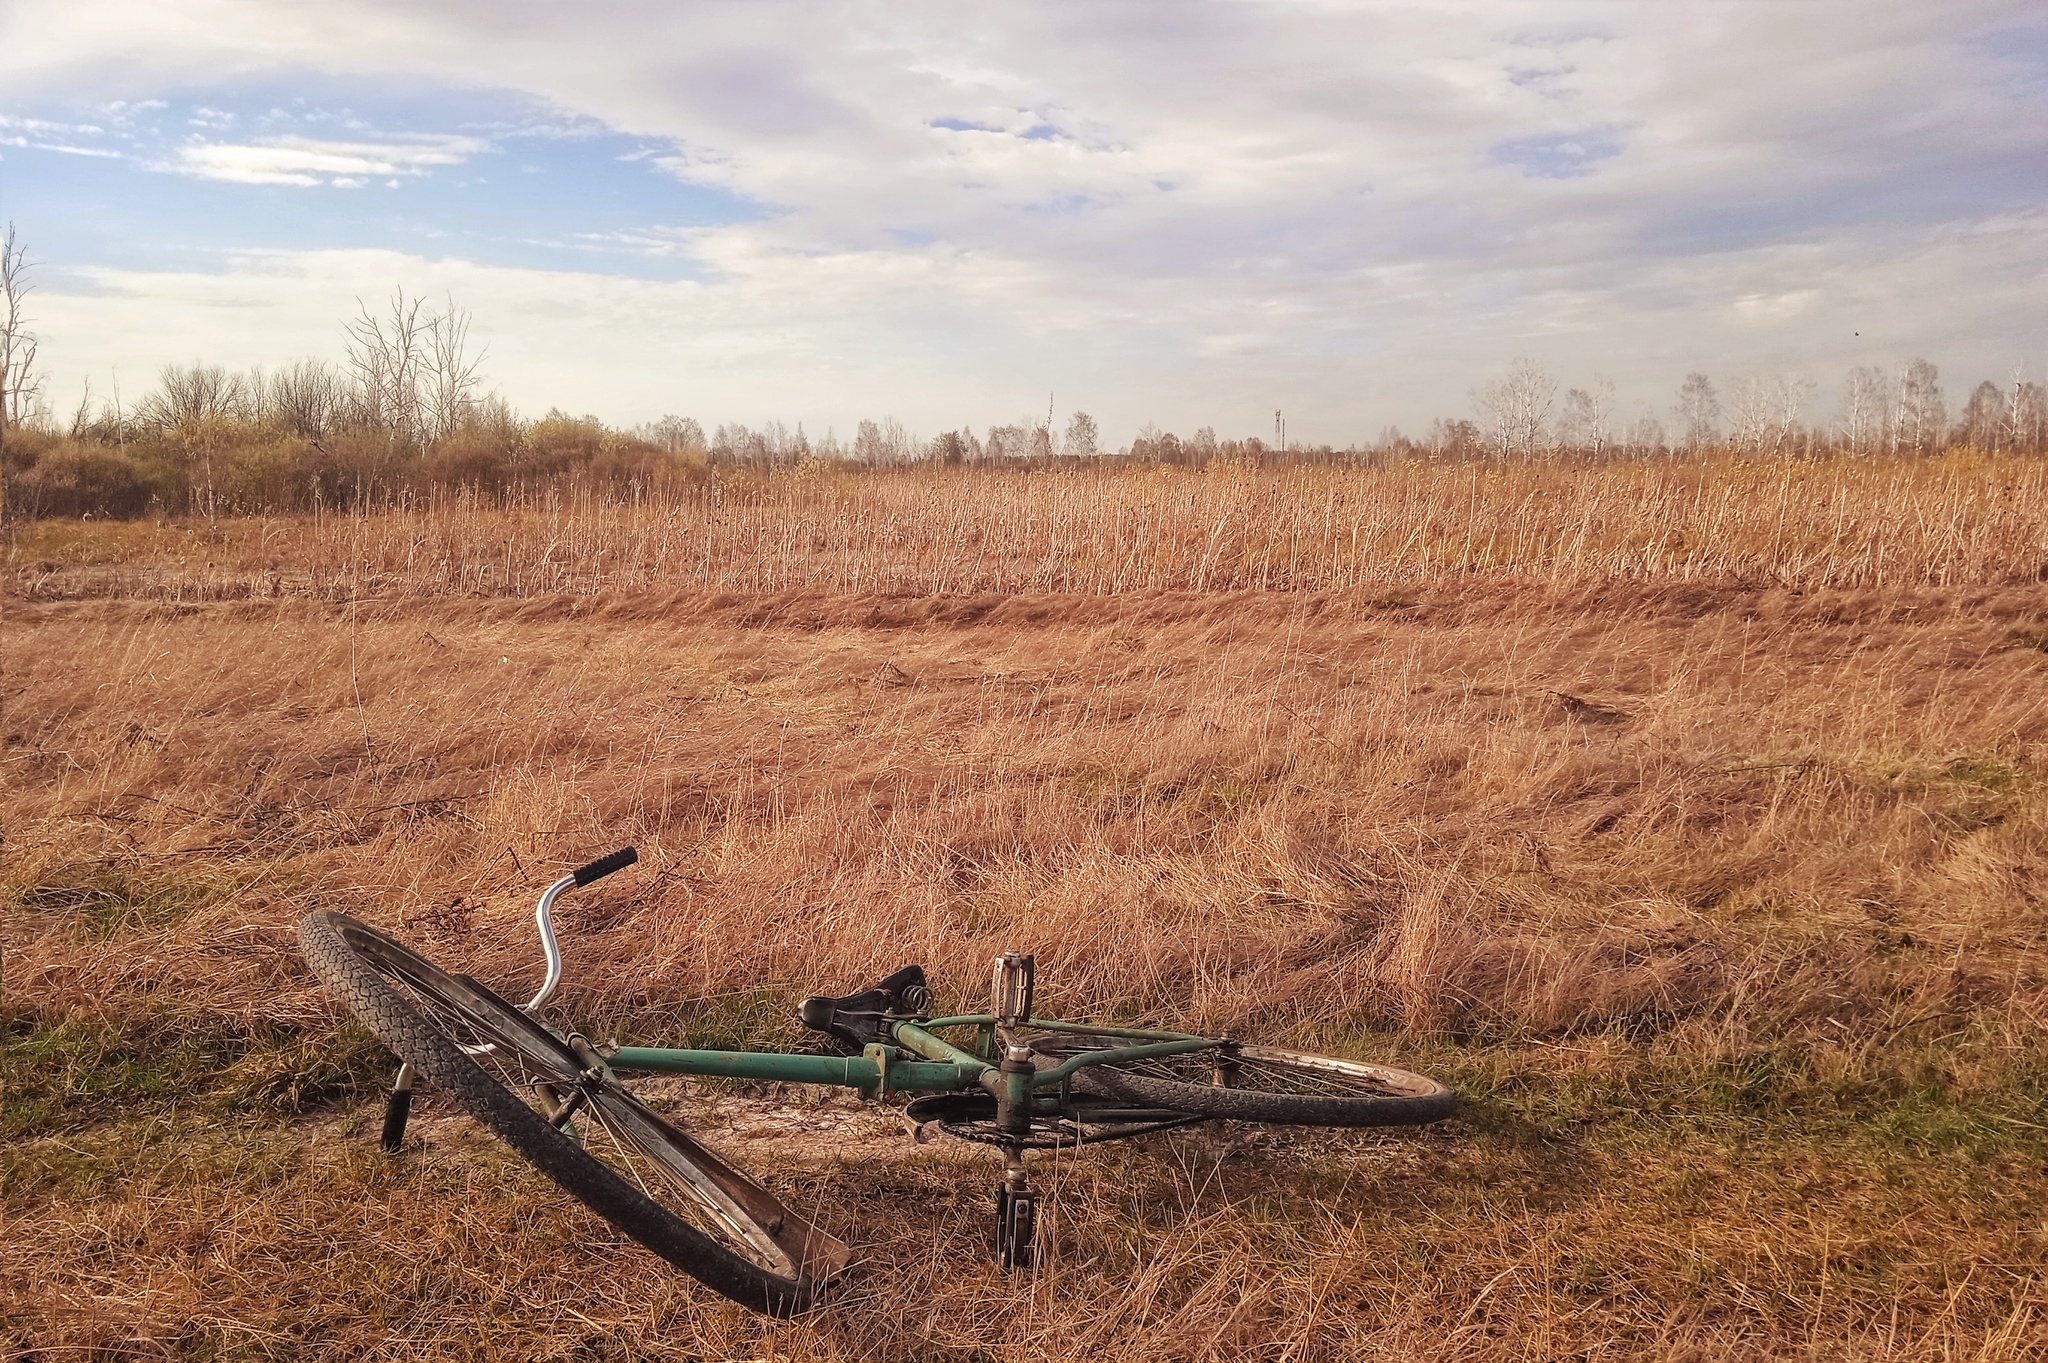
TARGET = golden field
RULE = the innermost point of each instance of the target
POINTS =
(1688, 818)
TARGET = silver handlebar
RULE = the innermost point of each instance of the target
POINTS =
(544, 916)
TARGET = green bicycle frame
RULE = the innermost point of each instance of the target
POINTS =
(939, 1066)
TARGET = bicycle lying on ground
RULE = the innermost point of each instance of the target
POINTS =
(1015, 1081)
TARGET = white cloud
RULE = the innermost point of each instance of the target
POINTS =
(306, 161)
(46, 134)
(66, 148)
(1354, 211)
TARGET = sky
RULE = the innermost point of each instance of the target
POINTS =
(1177, 212)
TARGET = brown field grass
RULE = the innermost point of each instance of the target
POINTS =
(1711, 876)
(1963, 519)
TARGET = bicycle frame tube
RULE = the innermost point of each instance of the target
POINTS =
(846, 1071)
(1054, 1025)
(942, 1068)
(1152, 1045)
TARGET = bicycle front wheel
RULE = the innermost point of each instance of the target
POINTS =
(1261, 1084)
(634, 1168)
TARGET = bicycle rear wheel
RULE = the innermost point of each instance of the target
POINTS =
(637, 1170)
(1260, 1084)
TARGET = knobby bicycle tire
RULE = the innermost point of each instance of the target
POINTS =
(361, 965)
(1261, 1084)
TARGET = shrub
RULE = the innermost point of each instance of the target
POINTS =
(73, 478)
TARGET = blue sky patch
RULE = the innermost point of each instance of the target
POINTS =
(314, 165)
(1558, 156)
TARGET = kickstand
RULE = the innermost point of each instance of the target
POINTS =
(397, 1109)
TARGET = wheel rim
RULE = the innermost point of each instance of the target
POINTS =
(1252, 1069)
(646, 1149)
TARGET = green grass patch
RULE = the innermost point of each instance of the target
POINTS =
(103, 900)
(77, 1072)
(1113, 790)
(2036, 639)
(1985, 773)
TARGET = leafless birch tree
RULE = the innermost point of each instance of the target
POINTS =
(1517, 409)
(1583, 422)
(20, 385)
(1083, 440)
(2025, 422)
(1699, 412)
(1765, 413)
(1866, 408)
(1921, 425)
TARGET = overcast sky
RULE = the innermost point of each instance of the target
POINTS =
(1177, 212)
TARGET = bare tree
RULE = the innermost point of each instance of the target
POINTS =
(1983, 418)
(2026, 419)
(188, 394)
(20, 385)
(1749, 409)
(1083, 440)
(1646, 436)
(677, 435)
(387, 355)
(1698, 412)
(1922, 420)
(452, 376)
(1018, 440)
(414, 373)
(867, 443)
(1790, 395)
(305, 398)
(1455, 440)
(1582, 423)
(1866, 405)
(1517, 408)
(884, 443)
(899, 446)
(1766, 413)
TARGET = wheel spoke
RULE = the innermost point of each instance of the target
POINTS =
(645, 1175)
(505, 1044)
(1257, 1083)
(624, 1159)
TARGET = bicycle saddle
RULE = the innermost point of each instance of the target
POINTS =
(863, 1019)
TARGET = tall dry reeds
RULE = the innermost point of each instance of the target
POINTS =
(1963, 519)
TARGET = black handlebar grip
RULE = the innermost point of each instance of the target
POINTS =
(604, 866)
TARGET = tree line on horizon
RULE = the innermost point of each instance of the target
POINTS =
(405, 415)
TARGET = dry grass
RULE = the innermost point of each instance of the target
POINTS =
(1838, 523)
(1720, 903)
